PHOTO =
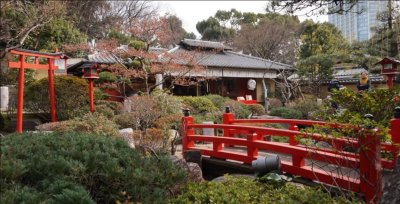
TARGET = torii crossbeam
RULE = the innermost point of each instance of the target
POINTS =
(22, 64)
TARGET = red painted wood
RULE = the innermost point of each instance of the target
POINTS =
(186, 130)
(248, 102)
(368, 161)
(20, 105)
(370, 167)
(51, 91)
(17, 52)
(30, 65)
(322, 176)
(91, 96)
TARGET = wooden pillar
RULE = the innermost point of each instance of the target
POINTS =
(91, 96)
(51, 90)
(20, 105)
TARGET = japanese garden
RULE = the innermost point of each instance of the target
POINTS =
(119, 102)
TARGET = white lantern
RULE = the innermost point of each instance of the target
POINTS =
(251, 84)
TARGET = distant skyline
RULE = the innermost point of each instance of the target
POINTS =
(191, 12)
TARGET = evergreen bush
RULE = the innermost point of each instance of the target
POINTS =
(198, 104)
(82, 168)
(285, 112)
(256, 109)
(71, 96)
(96, 123)
(218, 100)
(239, 109)
(246, 190)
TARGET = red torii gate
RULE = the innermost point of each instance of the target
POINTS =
(21, 64)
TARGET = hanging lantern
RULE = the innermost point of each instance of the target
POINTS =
(251, 84)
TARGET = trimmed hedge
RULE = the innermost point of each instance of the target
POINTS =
(71, 96)
(245, 190)
(288, 113)
(82, 168)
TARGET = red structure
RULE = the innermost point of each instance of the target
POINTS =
(90, 73)
(389, 69)
(22, 64)
(367, 160)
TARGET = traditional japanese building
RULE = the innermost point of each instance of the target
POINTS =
(226, 72)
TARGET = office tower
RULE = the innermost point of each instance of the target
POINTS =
(357, 23)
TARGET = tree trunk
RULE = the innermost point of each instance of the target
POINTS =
(266, 102)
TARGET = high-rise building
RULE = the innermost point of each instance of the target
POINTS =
(357, 23)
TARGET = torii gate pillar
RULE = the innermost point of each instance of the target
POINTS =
(22, 65)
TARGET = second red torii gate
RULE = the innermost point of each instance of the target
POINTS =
(21, 64)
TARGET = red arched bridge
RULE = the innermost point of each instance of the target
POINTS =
(364, 157)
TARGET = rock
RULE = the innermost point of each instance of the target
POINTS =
(193, 170)
(127, 135)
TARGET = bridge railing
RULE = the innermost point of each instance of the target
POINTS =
(367, 161)
(337, 143)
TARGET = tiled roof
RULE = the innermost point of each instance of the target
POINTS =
(157, 50)
(348, 76)
(205, 44)
(103, 58)
(230, 59)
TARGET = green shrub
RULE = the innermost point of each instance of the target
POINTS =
(378, 102)
(91, 122)
(137, 44)
(71, 96)
(246, 190)
(106, 77)
(217, 100)
(82, 168)
(285, 112)
(239, 109)
(198, 104)
(167, 104)
(306, 107)
(256, 109)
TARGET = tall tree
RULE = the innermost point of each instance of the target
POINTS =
(317, 6)
(20, 19)
(387, 33)
(322, 46)
(97, 18)
(176, 30)
(211, 29)
(275, 37)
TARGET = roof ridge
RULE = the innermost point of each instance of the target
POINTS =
(257, 58)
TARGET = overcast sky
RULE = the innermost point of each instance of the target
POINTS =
(191, 12)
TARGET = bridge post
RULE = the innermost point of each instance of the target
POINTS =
(292, 139)
(186, 120)
(297, 161)
(395, 133)
(227, 119)
(370, 163)
(252, 151)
